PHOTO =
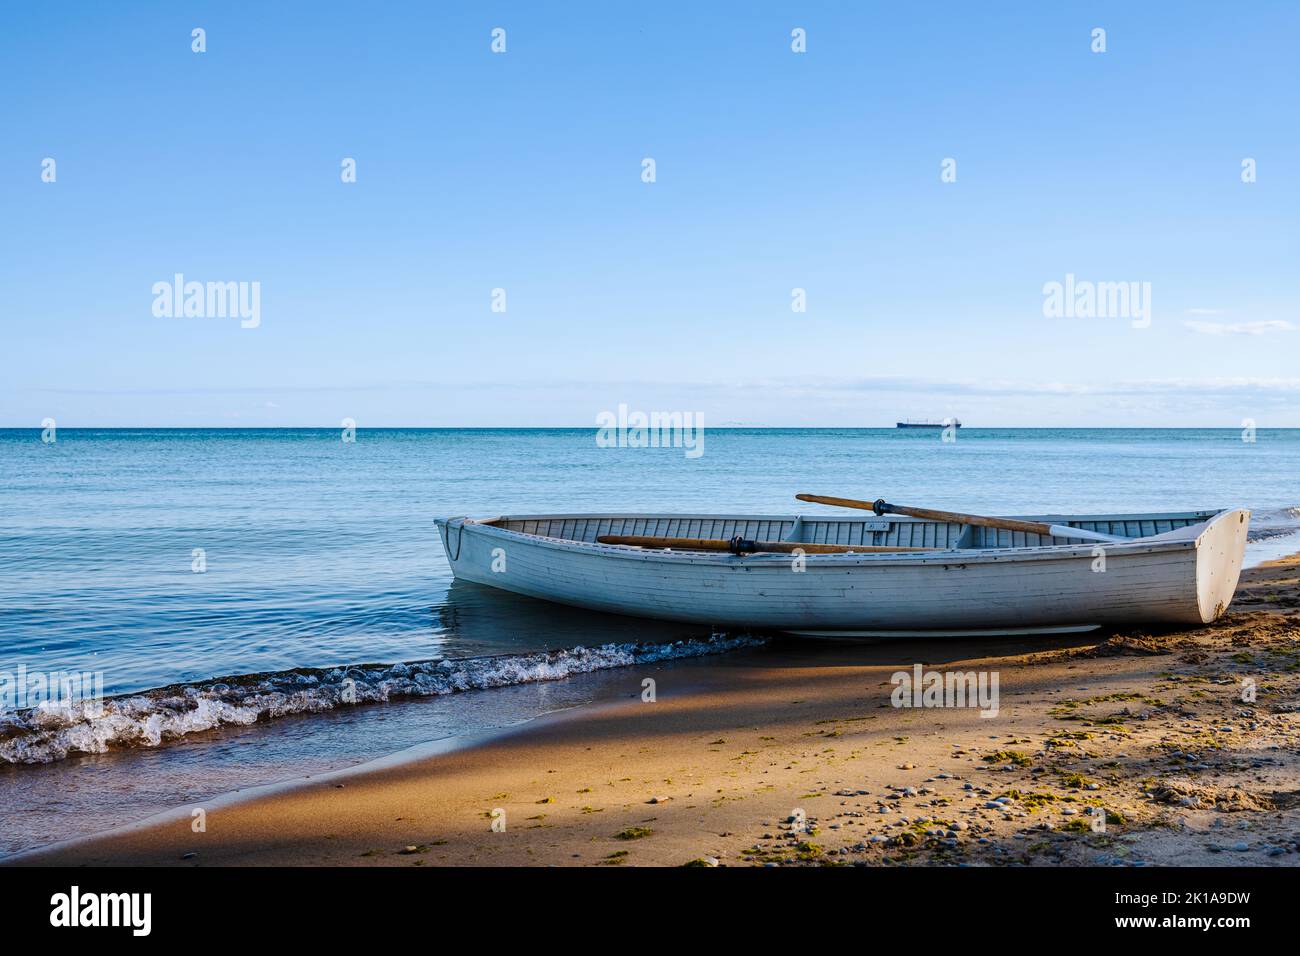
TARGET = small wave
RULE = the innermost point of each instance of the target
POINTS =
(53, 731)
(1274, 523)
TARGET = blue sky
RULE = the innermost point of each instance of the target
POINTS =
(775, 171)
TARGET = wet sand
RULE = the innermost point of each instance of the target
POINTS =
(794, 755)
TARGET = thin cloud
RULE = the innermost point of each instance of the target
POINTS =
(1238, 328)
(798, 387)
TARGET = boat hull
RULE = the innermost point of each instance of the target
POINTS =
(1184, 576)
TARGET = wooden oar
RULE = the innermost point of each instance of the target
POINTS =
(740, 545)
(883, 507)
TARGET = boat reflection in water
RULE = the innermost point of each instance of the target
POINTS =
(480, 620)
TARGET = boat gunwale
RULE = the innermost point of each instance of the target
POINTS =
(1180, 539)
(1204, 513)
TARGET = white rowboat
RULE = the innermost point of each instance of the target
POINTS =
(1174, 568)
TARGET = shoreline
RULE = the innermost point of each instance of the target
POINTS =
(1147, 727)
(182, 815)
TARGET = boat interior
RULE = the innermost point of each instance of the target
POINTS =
(887, 531)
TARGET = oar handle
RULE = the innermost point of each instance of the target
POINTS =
(845, 502)
(882, 507)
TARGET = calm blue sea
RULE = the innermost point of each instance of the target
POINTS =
(321, 553)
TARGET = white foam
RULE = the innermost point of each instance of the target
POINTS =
(1274, 523)
(52, 732)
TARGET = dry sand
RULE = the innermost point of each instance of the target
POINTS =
(1152, 728)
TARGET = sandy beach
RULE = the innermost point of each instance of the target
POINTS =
(794, 754)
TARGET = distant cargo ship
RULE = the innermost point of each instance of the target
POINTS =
(946, 423)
